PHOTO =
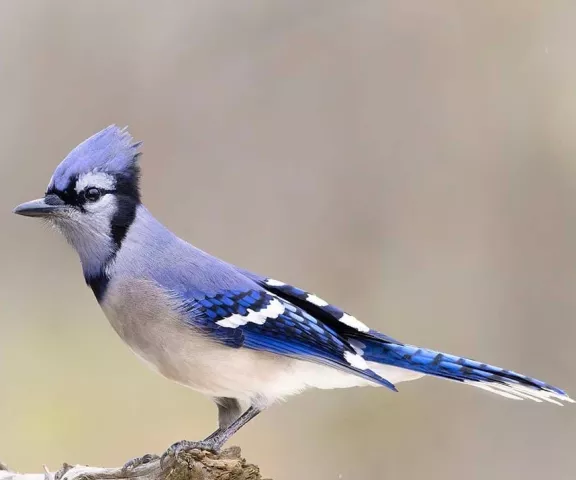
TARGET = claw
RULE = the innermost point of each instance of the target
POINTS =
(185, 446)
(136, 462)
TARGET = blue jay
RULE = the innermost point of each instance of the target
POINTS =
(243, 339)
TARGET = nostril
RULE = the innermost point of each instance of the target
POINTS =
(53, 199)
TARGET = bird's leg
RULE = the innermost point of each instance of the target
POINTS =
(229, 409)
(221, 436)
(214, 441)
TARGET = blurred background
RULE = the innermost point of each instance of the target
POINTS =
(411, 162)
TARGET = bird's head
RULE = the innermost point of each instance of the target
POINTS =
(93, 194)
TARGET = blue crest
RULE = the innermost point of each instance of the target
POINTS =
(111, 150)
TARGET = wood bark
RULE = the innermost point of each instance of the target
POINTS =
(193, 465)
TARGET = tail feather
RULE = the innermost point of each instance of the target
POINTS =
(497, 380)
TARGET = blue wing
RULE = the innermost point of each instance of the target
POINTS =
(332, 316)
(258, 319)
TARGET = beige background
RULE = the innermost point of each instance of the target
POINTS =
(413, 162)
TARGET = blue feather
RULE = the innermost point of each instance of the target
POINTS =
(452, 367)
(293, 332)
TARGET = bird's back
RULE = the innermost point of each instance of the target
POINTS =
(151, 252)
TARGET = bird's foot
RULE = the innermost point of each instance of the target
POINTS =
(185, 446)
(136, 462)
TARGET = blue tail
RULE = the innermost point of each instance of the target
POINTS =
(495, 379)
(379, 348)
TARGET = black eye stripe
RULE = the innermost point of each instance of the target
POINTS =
(75, 199)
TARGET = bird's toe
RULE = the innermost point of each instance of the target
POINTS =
(185, 446)
(136, 462)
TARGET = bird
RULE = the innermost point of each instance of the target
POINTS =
(245, 340)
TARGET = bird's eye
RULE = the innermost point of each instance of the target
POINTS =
(92, 194)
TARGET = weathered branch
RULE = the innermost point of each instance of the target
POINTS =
(194, 465)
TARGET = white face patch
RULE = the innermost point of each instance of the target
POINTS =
(274, 283)
(103, 209)
(354, 323)
(95, 179)
(273, 310)
(89, 232)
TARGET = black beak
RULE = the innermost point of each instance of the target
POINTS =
(43, 207)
